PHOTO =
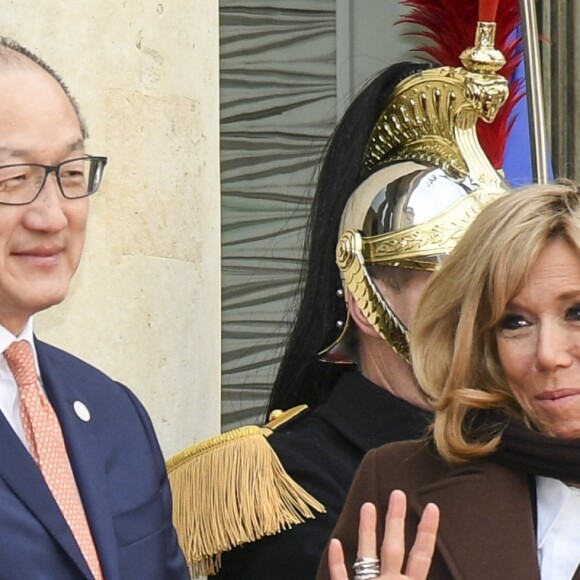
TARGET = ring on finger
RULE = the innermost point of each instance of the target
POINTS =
(366, 568)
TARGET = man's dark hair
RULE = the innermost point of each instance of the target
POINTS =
(13, 53)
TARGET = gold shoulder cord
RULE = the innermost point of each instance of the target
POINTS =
(232, 489)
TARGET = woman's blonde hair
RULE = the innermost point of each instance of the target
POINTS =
(453, 342)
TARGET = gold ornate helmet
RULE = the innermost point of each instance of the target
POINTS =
(430, 178)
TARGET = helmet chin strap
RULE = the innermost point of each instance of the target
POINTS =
(366, 294)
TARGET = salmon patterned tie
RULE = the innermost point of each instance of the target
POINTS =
(46, 444)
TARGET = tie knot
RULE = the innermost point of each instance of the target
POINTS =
(21, 362)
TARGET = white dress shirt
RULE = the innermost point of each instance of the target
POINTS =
(9, 401)
(558, 528)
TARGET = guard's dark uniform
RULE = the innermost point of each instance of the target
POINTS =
(321, 450)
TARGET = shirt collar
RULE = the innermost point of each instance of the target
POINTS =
(7, 338)
(370, 416)
(552, 496)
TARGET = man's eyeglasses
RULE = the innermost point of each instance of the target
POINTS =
(21, 184)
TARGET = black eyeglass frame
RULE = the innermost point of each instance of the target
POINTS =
(48, 169)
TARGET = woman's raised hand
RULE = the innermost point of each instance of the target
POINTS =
(393, 547)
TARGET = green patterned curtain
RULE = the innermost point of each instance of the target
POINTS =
(278, 108)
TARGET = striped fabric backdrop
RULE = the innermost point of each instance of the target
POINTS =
(278, 108)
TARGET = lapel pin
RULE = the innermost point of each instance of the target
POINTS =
(82, 411)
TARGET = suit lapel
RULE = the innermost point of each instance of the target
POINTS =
(471, 542)
(22, 475)
(85, 456)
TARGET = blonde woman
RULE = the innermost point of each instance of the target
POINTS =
(496, 350)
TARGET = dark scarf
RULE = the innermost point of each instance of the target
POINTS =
(526, 450)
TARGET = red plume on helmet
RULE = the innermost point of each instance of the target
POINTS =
(448, 27)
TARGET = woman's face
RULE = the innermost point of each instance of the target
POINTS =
(538, 342)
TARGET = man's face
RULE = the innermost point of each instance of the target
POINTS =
(404, 291)
(381, 364)
(40, 243)
(403, 295)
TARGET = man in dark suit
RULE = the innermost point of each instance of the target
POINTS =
(83, 488)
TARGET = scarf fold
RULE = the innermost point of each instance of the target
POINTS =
(532, 452)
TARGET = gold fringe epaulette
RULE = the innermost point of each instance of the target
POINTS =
(232, 489)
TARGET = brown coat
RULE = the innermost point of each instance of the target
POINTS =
(486, 530)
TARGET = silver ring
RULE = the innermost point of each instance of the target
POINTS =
(366, 568)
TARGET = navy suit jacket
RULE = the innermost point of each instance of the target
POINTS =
(121, 478)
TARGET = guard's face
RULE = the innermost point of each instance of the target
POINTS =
(404, 295)
(40, 243)
(538, 341)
